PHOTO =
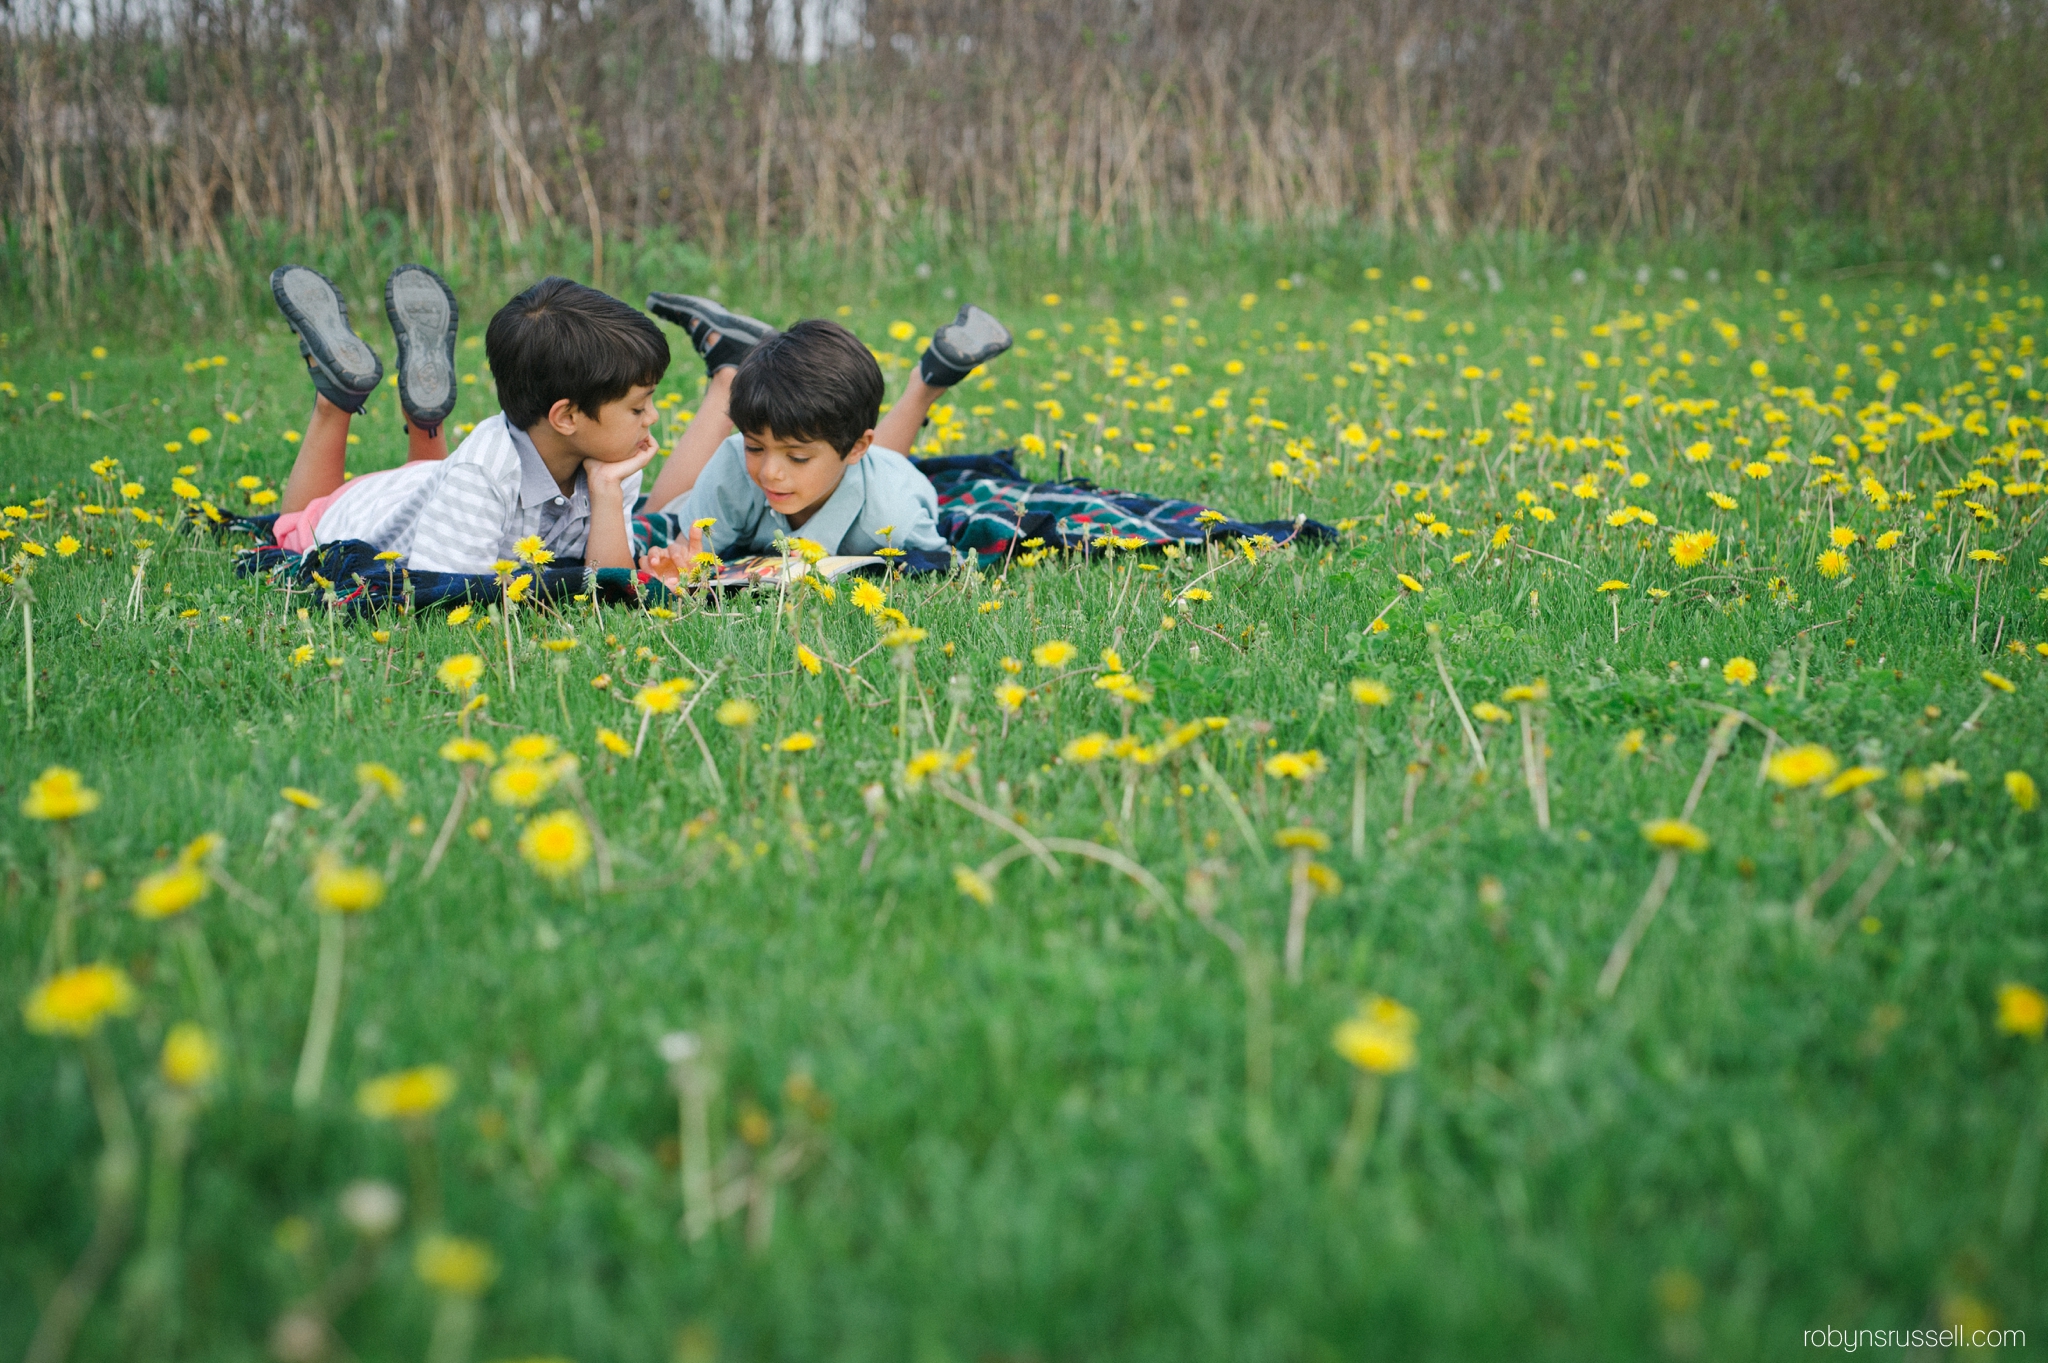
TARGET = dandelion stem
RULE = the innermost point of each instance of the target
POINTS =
(1025, 839)
(153, 1289)
(1230, 802)
(1645, 914)
(454, 1329)
(28, 636)
(1358, 804)
(116, 1186)
(326, 1007)
(717, 781)
(1533, 773)
(2017, 1216)
(205, 979)
(1258, 1052)
(1356, 1143)
(1443, 670)
(447, 833)
(1299, 902)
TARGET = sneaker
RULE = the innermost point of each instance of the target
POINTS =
(703, 319)
(345, 370)
(423, 318)
(973, 338)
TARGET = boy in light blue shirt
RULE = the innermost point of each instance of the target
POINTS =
(812, 455)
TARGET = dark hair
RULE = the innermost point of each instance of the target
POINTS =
(815, 381)
(561, 339)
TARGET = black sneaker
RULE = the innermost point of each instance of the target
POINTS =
(423, 318)
(345, 370)
(702, 318)
(973, 338)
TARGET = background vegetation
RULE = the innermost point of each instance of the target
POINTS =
(163, 147)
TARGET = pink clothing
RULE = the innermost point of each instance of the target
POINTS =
(297, 530)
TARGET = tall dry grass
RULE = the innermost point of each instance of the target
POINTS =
(162, 132)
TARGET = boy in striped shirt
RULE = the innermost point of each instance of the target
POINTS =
(576, 371)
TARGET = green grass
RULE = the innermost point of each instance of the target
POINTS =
(1042, 1142)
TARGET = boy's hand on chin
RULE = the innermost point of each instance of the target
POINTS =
(597, 471)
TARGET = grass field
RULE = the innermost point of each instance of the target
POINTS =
(999, 1113)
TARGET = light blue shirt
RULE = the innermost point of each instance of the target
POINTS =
(882, 490)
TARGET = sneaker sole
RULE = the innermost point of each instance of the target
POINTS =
(972, 338)
(424, 318)
(314, 307)
(674, 308)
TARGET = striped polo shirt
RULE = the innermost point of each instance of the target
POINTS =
(464, 513)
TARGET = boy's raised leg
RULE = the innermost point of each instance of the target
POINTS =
(899, 426)
(421, 444)
(322, 458)
(698, 442)
(971, 339)
(344, 370)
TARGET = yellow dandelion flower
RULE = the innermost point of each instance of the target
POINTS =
(1738, 671)
(974, 885)
(1406, 581)
(461, 673)
(1365, 691)
(1675, 835)
(407, 1094)
(347, 889)
(556, 845)
(614, 743)
(1011, 696)
(809, 661)
(59, 795)
(451, 1264)
(1997, 682)
(1312, 839)
(1851, 778)
(168, 893)
(1296, 766)
(1054, 653)
(1798, 767)
(76, 1002)
(467, 750)
(377, 776)
(2021, 789)
(1486, 712)
(190, 1059)
(520, 785)
(1087, 748)
(737, 713)
(1379, 1038)
(1832, 563)
(663, 698)
(2022, 1011)
(797, 742)
(1690, 548)
(304, 799)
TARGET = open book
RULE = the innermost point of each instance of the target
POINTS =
(768, 570)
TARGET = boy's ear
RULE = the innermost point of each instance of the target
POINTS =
(563, 416)
(860, 447)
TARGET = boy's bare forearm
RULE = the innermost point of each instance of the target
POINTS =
(695, 446)
(609, 546)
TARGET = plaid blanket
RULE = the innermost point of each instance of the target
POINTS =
(987, 507)
(990, 508)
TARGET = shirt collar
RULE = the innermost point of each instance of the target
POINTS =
(537, 487)
(829, 524)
